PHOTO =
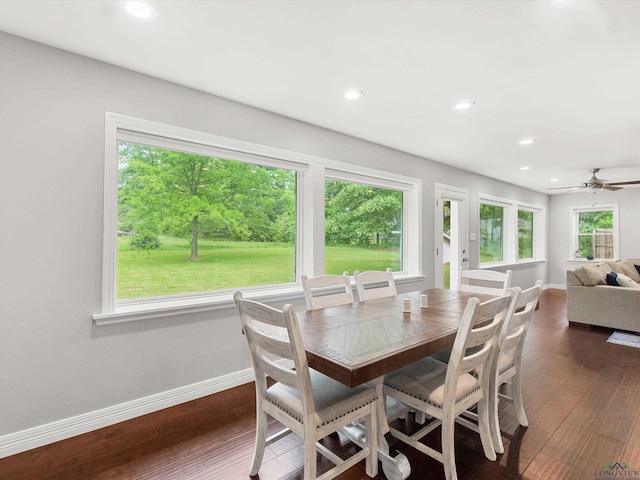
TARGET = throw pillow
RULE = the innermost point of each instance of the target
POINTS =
(625, 281)
(612, 279)
(591, 275)
(629, 269)
(606, 268)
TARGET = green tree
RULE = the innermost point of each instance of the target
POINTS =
(361, 214)
(188, 195)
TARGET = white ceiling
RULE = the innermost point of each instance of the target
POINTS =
(565, 72)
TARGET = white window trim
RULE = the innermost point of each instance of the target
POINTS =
(510, 231)
(615, 208)
(310, 235)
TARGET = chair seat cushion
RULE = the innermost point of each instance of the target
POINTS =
(332, 399)
(425, 379)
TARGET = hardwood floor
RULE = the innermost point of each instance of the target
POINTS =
(582, 397)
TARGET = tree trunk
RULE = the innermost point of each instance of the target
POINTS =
(194, 238)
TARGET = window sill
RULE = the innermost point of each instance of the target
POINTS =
(520, 264)
(158, 308)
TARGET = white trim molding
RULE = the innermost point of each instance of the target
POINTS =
(24, 440)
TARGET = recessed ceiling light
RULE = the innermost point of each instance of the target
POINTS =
(554, 179)
(140, 9)
(526, 167)
(353, 94)
(464, 105)
(528, 141)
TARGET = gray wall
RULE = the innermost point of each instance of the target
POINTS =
(54, 363)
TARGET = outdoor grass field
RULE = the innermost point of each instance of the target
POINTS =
(224, 265)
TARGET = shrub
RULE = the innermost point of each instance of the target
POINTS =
(145, 241)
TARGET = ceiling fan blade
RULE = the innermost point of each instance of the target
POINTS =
(632, 182)
(565, 188)
(609, 187)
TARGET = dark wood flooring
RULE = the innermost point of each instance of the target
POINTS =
(582, 397)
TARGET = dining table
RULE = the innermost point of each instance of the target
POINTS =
(360, 342)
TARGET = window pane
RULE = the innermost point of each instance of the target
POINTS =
(595, 234)
(446, 244)
(363, 227)
(190, 223)
(491, 232)
(525, 234)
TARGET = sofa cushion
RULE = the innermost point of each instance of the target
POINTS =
(629, 269)
(591, 275)
(625, 281)
(616, 266)
(612, 279)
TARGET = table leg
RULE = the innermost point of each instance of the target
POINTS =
(394, 464)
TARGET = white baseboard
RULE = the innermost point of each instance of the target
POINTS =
(558, 286)
(69, 427)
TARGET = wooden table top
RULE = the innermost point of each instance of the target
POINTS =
(358, 342)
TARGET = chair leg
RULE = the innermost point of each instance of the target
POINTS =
(310, 455)
(516, 394)
(448, 447)
(371, 425)
(485, 429)
(260, 441)
(494, 420)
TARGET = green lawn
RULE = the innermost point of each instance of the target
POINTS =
(226, 265)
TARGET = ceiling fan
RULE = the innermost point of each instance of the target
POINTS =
(595, 183)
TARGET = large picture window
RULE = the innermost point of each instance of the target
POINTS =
(190, 217)
(192, 223)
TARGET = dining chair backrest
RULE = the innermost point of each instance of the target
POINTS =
(326, 290)
(514, 330)
(375, 284)
(275, 342)
(487, 282)
(507, 361)
(476, 340)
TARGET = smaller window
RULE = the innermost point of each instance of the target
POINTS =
(595, 232)
(525, 234)
(510, 231)
(363, 227)
(491, 233)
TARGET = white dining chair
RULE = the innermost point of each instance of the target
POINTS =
(374, 284)
(306, 402)
(326, 290)
(507, 363)
(488, 282)
(444, 391)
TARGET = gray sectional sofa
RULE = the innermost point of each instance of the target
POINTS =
(591, 301)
